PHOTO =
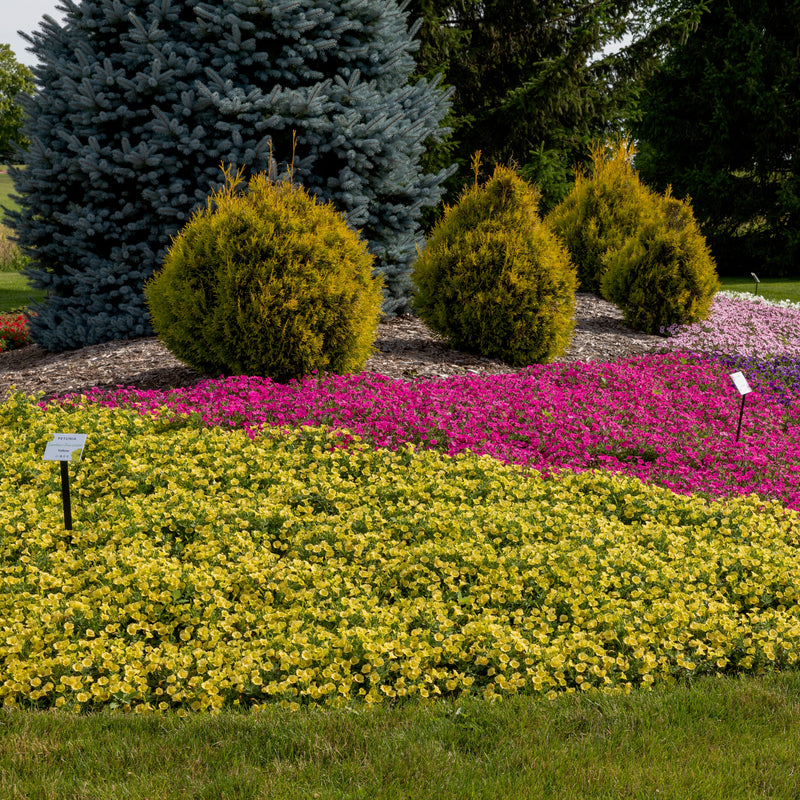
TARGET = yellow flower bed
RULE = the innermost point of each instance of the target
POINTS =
(207, 570)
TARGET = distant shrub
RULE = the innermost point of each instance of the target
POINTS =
(493, 280)
(663, 275)
(11, 257)
(13, 332)
(603, 210)
(267, 281)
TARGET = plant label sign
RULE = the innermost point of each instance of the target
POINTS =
(65, 447)
(740, 382)
(743, 387)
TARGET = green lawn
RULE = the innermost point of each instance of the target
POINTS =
(771, 288)
(6, 189)
(718, 738)
(15, 292)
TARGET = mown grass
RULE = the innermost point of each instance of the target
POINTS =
(6, 190)
(716, 738)
(771, 288)
(15, 293)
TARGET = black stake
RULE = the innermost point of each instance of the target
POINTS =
(741, 414)
(65, 495)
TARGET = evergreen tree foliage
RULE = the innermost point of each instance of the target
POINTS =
(664, 274)
(537, 82)
(14, 79)
(721, 123)
(140, 102)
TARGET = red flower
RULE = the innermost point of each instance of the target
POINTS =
(13, 331)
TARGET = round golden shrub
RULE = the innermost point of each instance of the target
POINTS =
(266, 281)
(493, 280)
(665, 274)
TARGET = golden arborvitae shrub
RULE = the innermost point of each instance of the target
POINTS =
(664, 275)
(493, 280)
(603, 210)
(267, 281)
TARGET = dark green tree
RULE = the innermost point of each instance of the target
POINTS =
(140, 102)
(721, 123)
(537, 82)
(14, 79)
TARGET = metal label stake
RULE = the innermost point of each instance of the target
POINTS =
(740, 382)
(65, 498)
(65, 447)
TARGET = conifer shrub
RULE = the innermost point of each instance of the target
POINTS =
(138, 102)
(603, 210)
(665, 274)
(492, 279)
(266, 281)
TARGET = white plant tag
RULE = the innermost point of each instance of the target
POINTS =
(65, 447)
(740, 382)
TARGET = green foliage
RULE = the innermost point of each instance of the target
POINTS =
(637, 249)
(719, 122)
(603, 210)
(530, 87)
(664, 275)
(137, 104)
(267, 282)
(11, 257)
(493, 279)
(15, 78)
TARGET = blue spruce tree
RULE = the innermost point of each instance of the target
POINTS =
(139, 103)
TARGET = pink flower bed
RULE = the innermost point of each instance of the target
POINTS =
(668, 419)
(740, 325)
